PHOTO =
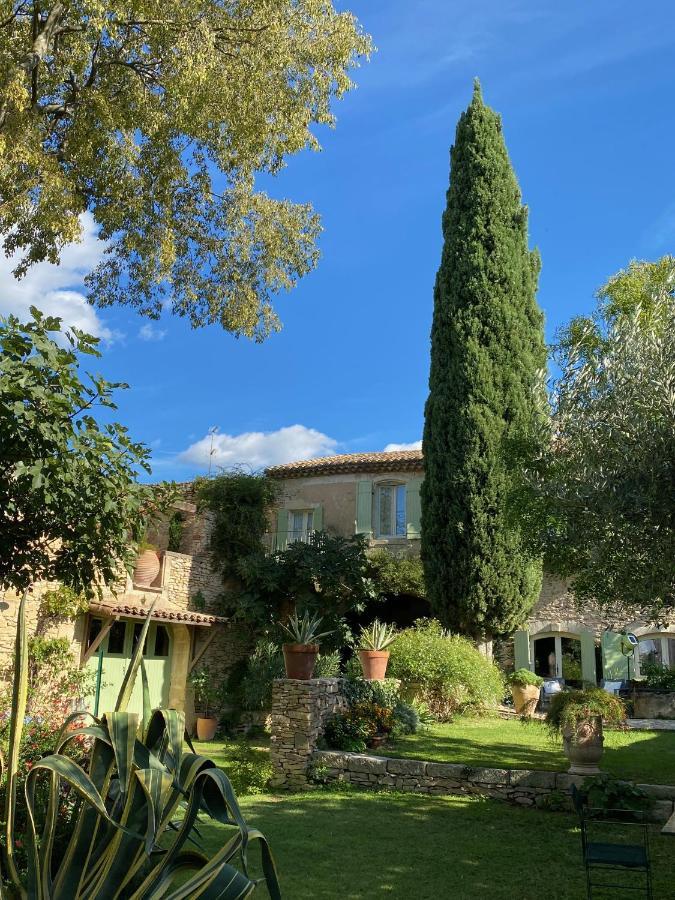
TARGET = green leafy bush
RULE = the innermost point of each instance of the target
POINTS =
(609, 795)
(379, 693)
(328, 665)
(406, 719)
(249, 769)
(397, 574)
(569, 708)
(524, 677)
(347, 731)
(658, 677)
(444, 671)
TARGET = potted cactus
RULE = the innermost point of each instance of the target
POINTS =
(525, 689)
(578, 717)
(373, 653)
(301, 653)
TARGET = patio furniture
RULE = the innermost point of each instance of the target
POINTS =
(616, 857)
(549, 689)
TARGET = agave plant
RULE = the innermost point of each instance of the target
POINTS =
(140, 796)
(377, 636)
(304, 630)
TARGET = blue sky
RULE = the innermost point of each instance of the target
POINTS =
(586, 94)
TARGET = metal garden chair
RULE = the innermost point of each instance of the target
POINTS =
(631, 859)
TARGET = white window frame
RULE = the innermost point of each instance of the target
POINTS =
(663, 637)
(393, 535)
(307, 525)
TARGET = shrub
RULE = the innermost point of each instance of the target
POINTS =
(250, 769)
(379, 693)
(264, 665)
(406, 719)
(657, 677)
(609, 795)
(327, 665)
(523, 677)
(445, 671)
(569, 708)
(347, 731)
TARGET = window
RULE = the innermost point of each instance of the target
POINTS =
(161, 641)
(390, 515)
(656, 649)
(138, 627)
(116, 637)
(95, 626)
(300, 524)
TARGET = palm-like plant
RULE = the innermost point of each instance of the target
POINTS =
(139, 797)
(304, 630)
(377, 636)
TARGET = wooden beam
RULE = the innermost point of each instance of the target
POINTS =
(98, 640)
(207, 643)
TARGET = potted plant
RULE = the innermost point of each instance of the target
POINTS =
(373, 653)
(578, 716)
(147, 565)
(525, 689)
(300, 655)
(205, 695)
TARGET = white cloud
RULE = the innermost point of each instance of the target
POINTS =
(391, 448)
(259, 449)
(56, 289)
(149, 332)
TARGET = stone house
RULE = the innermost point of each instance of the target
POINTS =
(378, 495)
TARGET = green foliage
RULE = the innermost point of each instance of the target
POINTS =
(304, 629)
(328, 665)
(377, 636)
(72, 508)
(156, 119)
(137, 791)
(62, 602)
(523, 677)
(657, 677)
(397, 574)
(207, 692)
(176, 527)
(569, 709)
(348, 731)
(249, 769)
(607, 795)
(239, 503)
(328, 576)
(374, 710)
(378, 693)
(199, 601)
(599, 500)
(445, 671)
(265, 663)
(485, 396)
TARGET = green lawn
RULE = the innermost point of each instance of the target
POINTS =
(350, 844)
(642, 756)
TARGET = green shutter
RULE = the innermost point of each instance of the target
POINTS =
(413, 508)
(364, 507)
(521, 649)
(588, 673)
(614, 663)
(317, 518)
(282, 529)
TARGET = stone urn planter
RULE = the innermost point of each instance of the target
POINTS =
(206, 727)
(147, 568)
(525, 698)
(300, 660)
(583, 746)
(374, 664)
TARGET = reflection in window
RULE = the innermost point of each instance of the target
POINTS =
(390, 514)
(138, 627)
(95, 626)
(116, 637)
(161, 641)
(650, 652)
(300, 525)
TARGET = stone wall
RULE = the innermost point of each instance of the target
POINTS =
(520, 786)
(299, 711)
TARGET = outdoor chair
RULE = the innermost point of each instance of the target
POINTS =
(549, 689)
(600, 855)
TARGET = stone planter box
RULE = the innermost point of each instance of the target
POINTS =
(654, 705)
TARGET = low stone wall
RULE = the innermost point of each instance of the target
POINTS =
(654, 705)
(299, 710)
(521, 786)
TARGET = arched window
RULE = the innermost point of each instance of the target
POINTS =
(389, 516)
(655, 649)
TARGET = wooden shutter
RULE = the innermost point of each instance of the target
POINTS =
(282, 529)
(588, 673)
(364, 507)
(521, 649)
(317, 518)
(615, 665)
(413, 508)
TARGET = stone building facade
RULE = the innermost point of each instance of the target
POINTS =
(377, 494)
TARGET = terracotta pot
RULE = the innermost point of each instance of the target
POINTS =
(374, 664)
(300, 660)
(525, 698)
(147, 568)
(206, 727)
(583, 746)
(377, 740)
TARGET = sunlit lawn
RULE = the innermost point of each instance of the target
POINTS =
(642, 756)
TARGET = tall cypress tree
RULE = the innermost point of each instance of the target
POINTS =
(487, 353)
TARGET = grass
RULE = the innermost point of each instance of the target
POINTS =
(642, 756)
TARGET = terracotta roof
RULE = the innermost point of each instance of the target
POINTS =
(394, 461)
(162, 613)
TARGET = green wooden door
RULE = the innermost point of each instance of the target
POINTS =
(117, 650)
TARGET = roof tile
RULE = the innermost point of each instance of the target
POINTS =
(394, 461)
